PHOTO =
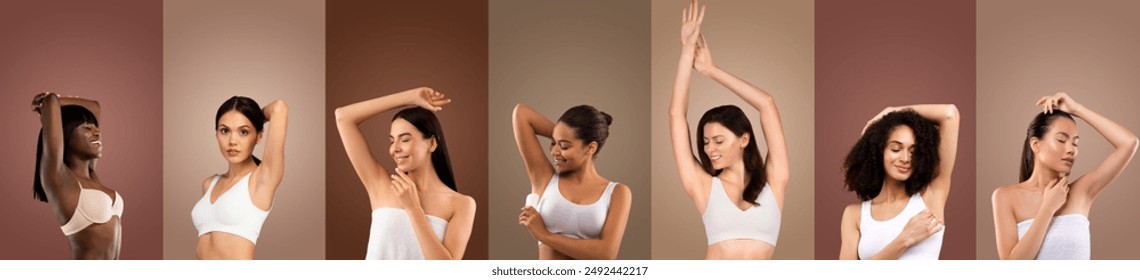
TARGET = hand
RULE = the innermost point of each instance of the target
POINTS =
(428, 98)
(1055, 194)
(885, 111)
(38, 101)
(920, 227)
(1060, 101)
(533, 222)
(703, 62)
(691, 24)
(407, 193)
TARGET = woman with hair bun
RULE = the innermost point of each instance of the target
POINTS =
(578, 214)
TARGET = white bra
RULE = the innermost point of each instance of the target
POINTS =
(573, 220)
(724, 221)
(93, 207)
(874, 235)
(232, 213)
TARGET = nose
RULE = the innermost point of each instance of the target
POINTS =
(905, 157)
(233, 139)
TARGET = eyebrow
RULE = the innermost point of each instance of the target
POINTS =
(401, 135)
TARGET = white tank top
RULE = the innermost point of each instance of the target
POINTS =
(1067, 238)
(874, 235)
(391, 236)
(573, 220)
(724, 221)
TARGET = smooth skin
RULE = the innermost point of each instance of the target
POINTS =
(236, 140)
(724, 148)
(893, 198)
(413, 185)
(61, 183)
(579, 182)
(1048, 193)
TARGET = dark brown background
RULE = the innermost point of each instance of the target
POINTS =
(110, 51)
(874, 54)
(377, 48)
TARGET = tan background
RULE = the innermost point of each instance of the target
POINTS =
(553, 55)
(109, 51)
(266, 50)
(1028, 49)
(769, 44)
(381, 47)
(886, 53)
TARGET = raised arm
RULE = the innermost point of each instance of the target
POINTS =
(52, 169)
(605, 247)
(777, 160)
(693, 178)
(348, 119)
(272, 167)
(528, 125)
(948, 119)
(1123, 141)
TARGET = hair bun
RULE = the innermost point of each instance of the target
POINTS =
(609, 119)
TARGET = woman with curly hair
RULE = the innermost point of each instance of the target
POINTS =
(1045, 216)
(900, 168)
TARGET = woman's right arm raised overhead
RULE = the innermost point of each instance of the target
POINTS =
(349, 117)
(693, 177)
(528, 125)
(1124, 144)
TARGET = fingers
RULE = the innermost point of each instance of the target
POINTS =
(404, 179)
(701, 16)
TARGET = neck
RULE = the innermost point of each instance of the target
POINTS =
(80, 167)
(241, 168)
(892, 190)
(582, 174)
(1042, 176)
(734, 173)
(425, 177)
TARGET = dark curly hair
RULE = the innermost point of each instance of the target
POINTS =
(863, 168)
(734, 119)
(589, 124)
(1037, 128)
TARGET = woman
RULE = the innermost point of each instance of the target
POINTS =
(739, 197)
(234, 204)
(70, 143)
(579, 213)
(900, 169)
(1045, 216)
(417, 212)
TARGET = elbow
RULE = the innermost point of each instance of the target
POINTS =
(278, 108)
(518, 115)
(1133, 144)
(341, 115)
(677, 112)
(952, 112)
(609, 254)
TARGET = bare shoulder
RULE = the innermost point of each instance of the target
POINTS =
(851, 212)
(1004, 193)
(206, 183)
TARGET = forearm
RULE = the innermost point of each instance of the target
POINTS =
(679, 105)
(358, 112)
(529, 123)
(893, 250)
(90, 105)
(755, 96)
(277, 113)
(939, 113)
(1029, 244)
(1119, 136)
(582, 249)
(430, 245)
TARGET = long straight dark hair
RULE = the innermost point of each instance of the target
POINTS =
(426, 122)
(248, 108)
(735, 120)
(1037, 129)
(72, 116)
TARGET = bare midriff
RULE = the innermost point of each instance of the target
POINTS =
(740, 249)
(97, 241)
(224, 246)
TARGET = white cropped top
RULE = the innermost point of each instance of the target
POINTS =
(574, 220)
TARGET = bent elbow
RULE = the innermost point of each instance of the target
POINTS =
(952, 112)
(340, 115)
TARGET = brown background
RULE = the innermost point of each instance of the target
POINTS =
(109, 51)
(553, 55)
(266, 50)
(1029, 49)
(769, 44)
(377, 48)
(874, 54)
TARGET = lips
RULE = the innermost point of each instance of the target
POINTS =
(400, 159)
(232, 152)
(903, 169)
(1068, 161)
(558, 160)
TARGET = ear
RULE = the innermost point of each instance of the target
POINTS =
(259, 136)
(434, 144)
(592, 149)
(1033, 141)
(744, 140)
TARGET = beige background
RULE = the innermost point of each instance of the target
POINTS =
(553, 55)
(769, 44)
(1028, 49)
(266, 50)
